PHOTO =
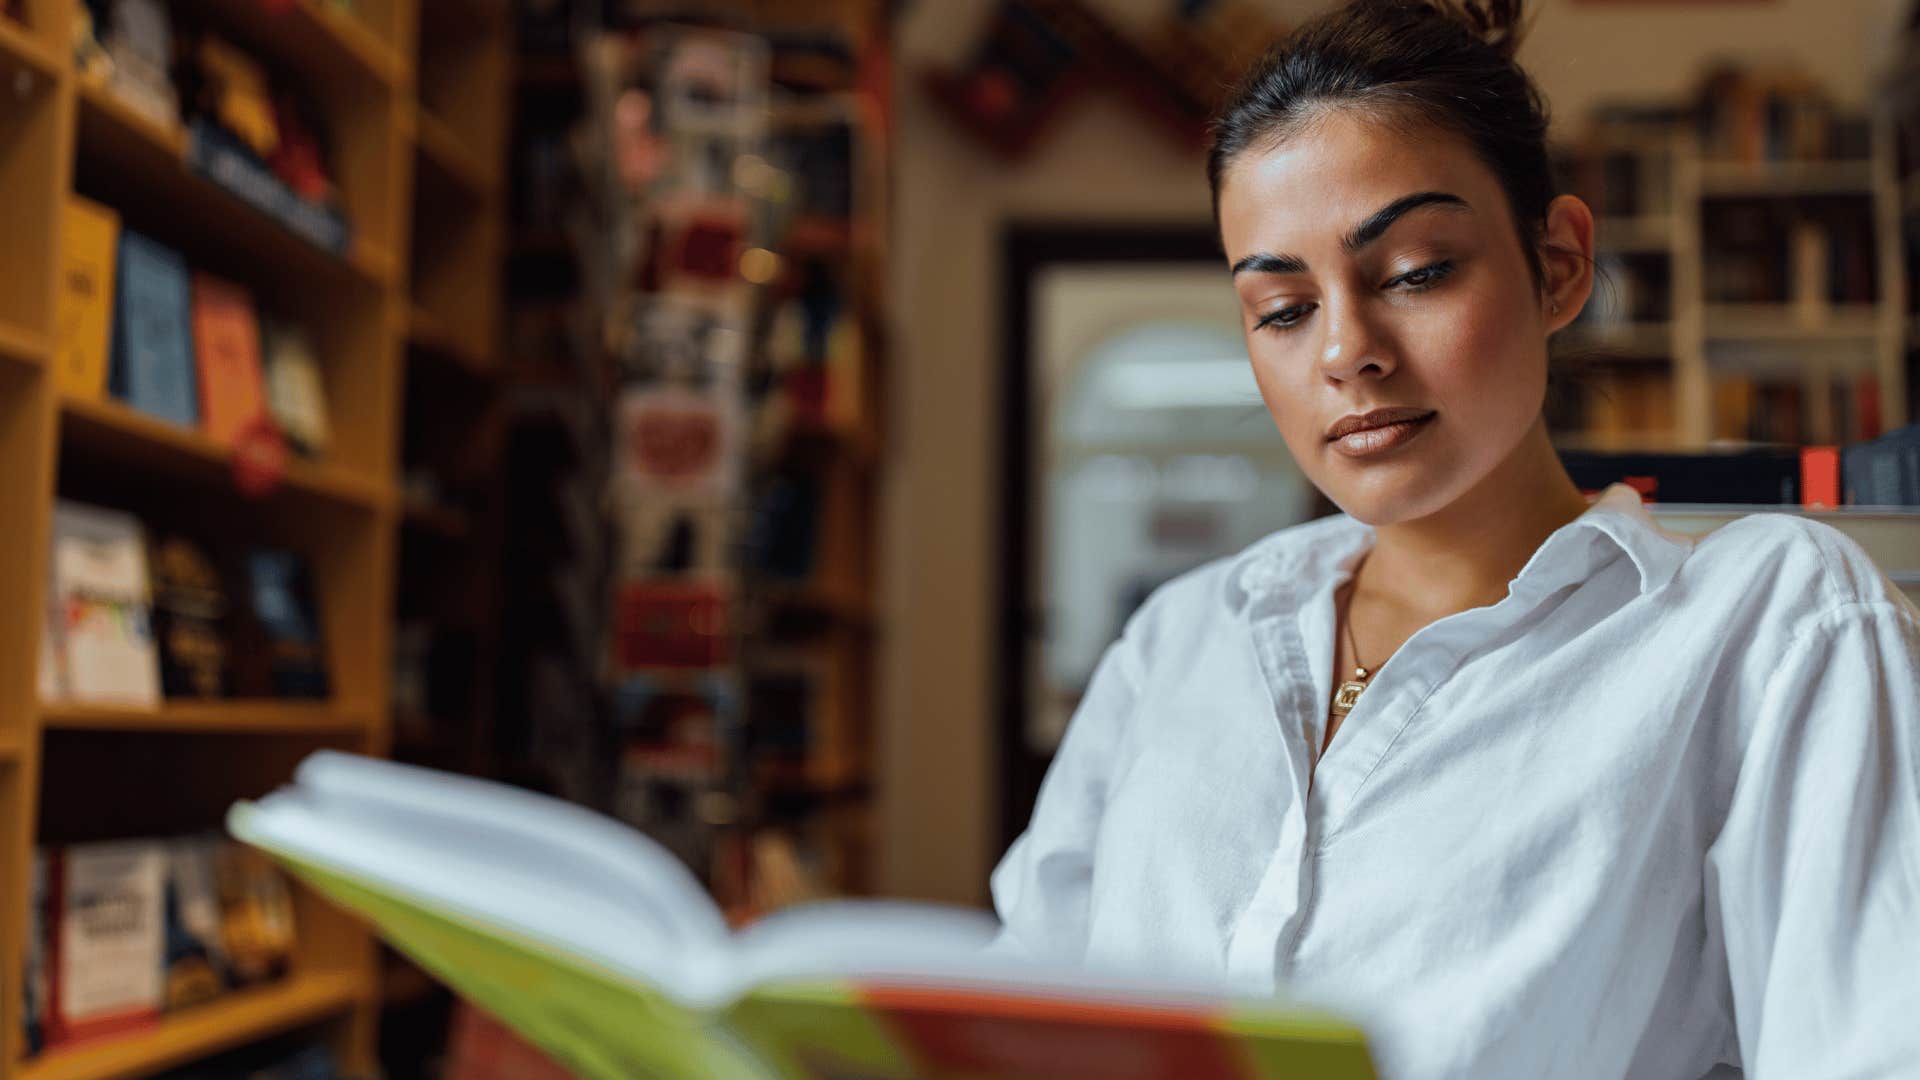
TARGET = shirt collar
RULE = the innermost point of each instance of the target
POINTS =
(1658, 552)
(1617, 519)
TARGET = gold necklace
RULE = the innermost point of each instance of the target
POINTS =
(1349, 693)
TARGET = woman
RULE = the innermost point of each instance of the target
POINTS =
(1534, 787)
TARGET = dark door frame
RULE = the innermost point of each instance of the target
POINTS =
(1026, 250)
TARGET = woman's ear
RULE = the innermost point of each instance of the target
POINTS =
(1566, 259)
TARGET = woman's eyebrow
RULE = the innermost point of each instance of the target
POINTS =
(1377, 222)
(1363, 234)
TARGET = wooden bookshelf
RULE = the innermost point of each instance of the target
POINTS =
(1700, 342)
(73, 771)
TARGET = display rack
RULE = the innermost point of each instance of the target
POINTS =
(817, 626)
(70, 773)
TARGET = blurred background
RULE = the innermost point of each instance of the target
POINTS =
(749, 420)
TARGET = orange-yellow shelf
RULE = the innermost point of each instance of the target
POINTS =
(235, 1020)
(322, 40)
(19, 50)
(23, 346)
(111, 429)
(253, 716)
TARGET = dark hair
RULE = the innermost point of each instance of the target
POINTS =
(1411, 63)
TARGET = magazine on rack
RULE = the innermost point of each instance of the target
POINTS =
(598, 945)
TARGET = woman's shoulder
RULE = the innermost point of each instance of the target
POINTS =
(1799, 562)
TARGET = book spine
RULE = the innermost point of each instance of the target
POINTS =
(85, 317)
(226, 336)
(153, 351)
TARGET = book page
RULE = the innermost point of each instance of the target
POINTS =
(540, 867)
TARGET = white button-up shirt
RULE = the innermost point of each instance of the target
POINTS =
(1653, 811)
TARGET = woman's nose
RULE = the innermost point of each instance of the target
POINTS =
(1353, 343)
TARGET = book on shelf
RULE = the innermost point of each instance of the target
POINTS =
(226, 340)
(195, 964)
(1766, 475)
(225, 160)
(256, 915)
(256, 138)
(600, 947)
(123, 932)
(283, 607)
(1883, 471)
(152, 360)
(189, 618)
(101, 607)
(108, 939)
(296, 393)
(1759, 409)
(139, 43)
(1756, 113)
(1879, 472)
(37, 979)
(90, 232)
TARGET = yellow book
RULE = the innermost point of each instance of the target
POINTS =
(90, 234)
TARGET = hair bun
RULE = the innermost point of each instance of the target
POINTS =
(1498, 23)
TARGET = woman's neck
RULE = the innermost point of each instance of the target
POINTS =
(1466, 555)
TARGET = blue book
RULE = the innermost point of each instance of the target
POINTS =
(152, 337)
(283, 604)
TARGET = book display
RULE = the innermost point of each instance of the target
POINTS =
(734, 185)
(696, 320)
(1749, 291)
(214, 247)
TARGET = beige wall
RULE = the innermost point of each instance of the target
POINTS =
(1102, 164)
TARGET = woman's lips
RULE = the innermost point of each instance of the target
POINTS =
(1360, 444)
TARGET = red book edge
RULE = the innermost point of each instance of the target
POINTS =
(1820, 477)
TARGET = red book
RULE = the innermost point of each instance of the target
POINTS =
(1820, 477)
(226, 345)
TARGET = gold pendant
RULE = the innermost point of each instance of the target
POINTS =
(1349, 693)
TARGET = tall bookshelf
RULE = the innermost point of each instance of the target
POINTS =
(1694, 342)
(379, 74)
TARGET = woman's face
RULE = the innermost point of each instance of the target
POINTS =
(1376, 270)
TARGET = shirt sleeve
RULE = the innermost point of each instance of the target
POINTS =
(1043, 886)
(1816, 874)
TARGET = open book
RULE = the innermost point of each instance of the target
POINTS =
(599, 946)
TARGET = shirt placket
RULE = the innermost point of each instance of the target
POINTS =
(1297, 662)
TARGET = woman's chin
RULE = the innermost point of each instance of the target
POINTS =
(1389, 497)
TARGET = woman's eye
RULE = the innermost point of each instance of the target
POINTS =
(1283, 318)
(1425, 277)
